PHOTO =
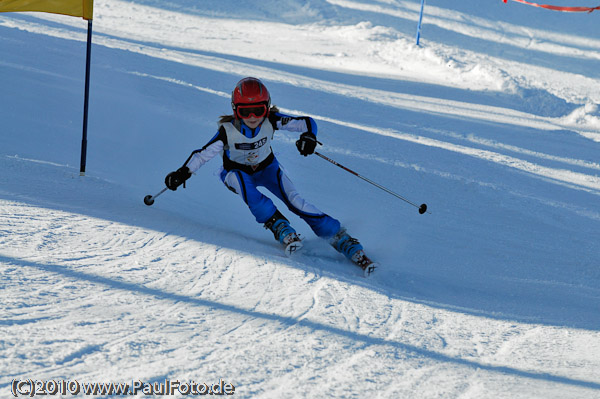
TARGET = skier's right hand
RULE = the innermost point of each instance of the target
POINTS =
(177, 178)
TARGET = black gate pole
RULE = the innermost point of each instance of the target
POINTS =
(86, 100)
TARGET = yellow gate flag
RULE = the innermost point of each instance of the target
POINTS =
(75, 8)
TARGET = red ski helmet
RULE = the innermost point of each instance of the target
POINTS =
(250, 97)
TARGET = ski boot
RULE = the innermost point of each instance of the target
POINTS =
(284, 233)
(353, 250)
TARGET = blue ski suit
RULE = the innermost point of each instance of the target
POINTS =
(249, 162)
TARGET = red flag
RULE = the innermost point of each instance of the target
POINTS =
(559, 8)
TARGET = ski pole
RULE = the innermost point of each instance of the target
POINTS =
(422, 208)
(149, 199)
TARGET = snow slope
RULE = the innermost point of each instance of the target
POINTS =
(493, 122)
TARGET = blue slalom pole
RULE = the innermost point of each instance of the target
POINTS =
(420, 20)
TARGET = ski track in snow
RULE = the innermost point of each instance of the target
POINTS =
(131, 271)
(97, 287)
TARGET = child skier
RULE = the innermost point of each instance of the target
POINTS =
(244, 140)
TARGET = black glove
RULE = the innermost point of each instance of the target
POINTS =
(307, 143)
(177, 178)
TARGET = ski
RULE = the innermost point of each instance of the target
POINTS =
(293, 246)
(368, 270)
(361, 260)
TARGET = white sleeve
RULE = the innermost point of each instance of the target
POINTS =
(300, 124)
(203, 156)
(292, 125)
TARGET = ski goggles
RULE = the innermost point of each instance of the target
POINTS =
(247, 111)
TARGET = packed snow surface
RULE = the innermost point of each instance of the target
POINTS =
(493, 121)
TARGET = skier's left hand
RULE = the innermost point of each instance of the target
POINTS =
(306, 144)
